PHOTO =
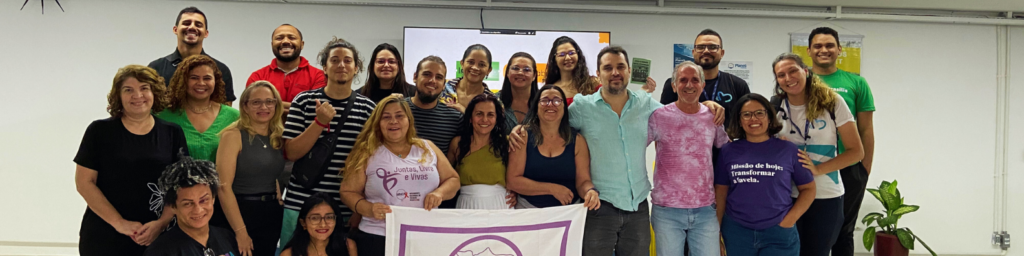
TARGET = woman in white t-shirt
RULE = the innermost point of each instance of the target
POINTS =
(812, 116)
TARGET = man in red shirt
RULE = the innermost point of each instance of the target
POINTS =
(289, 72)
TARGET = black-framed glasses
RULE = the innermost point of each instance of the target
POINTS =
(316, 219)
(270, 103)
(525, 70)
(746, 115)
(565, 53)
(556, 101)
(709, 47)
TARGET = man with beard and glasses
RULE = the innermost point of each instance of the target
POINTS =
(722, 88)
(824, 50)
(289, 72)
(435, 122)
(191, 29)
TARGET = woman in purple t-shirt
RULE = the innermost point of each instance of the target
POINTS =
(390, 166)
(752, 181)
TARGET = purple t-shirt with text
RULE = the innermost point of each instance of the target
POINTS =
(760, 178)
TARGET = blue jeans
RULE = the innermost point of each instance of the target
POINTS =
(675, 227)
(772, 241)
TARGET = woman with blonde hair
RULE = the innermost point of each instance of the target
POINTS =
(249, 160)
(119, 162)
(812, 116)
(390, 166)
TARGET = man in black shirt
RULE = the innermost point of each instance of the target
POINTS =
(723, 88)
(191, 28)
(190, 188)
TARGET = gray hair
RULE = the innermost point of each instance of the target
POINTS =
(686, 64)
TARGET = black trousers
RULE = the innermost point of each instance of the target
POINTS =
(855, 182)
(263, 224)
(819, 226)
(368, 244)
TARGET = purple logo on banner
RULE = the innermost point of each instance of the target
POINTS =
(489, 241)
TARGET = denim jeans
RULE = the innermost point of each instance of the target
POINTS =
(772, 241)
(676, 227)
(611, 231)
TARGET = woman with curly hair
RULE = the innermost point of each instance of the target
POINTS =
(480, 154)
(119, 162)
(196, 104)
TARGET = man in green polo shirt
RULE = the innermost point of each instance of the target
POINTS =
(824, 49)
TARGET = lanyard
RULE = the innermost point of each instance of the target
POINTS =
(714, 91)
(807, 123)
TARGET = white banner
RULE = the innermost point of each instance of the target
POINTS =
(553, 231)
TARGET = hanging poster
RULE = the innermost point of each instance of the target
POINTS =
(680, 53)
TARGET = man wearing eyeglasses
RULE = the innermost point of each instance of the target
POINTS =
(289, 72)
(722, 88)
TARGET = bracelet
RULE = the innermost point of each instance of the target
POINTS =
(594, 189)
(355, 208)
(322, 124)
(241, 228)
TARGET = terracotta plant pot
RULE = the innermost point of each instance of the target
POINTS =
(889, 245)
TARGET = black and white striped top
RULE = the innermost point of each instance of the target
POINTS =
(439, 124)
(301, 116)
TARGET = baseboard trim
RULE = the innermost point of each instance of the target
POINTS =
(37, 244)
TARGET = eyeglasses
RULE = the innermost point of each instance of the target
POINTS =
(387, 61)
(525, 70)
(563, 54)
(556, 101)
(709, 47)
(270, 103)
(746, 115)
(316, 219)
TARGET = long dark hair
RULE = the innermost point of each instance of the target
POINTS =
(499, 144)
(580, 74)
(337, 246)
(735, 128)
(400, 85)
(506, 88)
(533, 120)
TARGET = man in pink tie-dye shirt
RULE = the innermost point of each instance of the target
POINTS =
(683, 194)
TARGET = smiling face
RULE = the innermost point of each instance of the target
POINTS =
(261, 105)
(824, 50)
(191, 29)
(194, 206)
(475, 66)
(614, 72)
(711, 55)
(520, 72)
(201, 83)
(790, 76)
(394, 123)
(319, 222)
(341, 65)
(385, 65)
(136, 97)
(688, 85)
(428, 81)
(484, 117)
(754, 119)
(287, 43)
(550, 107)
(566, 58)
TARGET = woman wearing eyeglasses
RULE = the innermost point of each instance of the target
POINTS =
(554, 168)
(520, 86)
(388, 76)
(318, 218)
(567, 69)
(812, 115)
(249, 160)
(753, 180)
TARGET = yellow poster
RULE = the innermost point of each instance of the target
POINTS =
(849, 58)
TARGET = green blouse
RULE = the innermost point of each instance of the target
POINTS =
(202, 145)
(481, 167)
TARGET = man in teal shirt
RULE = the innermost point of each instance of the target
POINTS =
(824, 49)
(614, 121)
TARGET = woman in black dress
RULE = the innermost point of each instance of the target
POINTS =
(118, 164)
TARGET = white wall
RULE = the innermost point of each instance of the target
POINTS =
(1015, 142)
(934, 87)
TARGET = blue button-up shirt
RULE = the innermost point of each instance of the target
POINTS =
(618, 146)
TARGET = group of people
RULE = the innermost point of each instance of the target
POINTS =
(176, 170)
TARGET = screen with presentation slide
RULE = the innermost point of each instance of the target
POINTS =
(451, 43)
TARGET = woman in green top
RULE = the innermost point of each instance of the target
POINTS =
(196, 104)
(480, 154)
(520, 86)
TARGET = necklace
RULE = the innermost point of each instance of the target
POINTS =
(261, 141)
(393, 151)
(197, 111)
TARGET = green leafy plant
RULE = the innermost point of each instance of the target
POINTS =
(890, 197)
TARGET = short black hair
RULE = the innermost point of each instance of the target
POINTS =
(712, 32)
(184, 173)
(431, 58)
(474, 47)
(290, 25)
(336, 42)
(735, 129)
(613, 49)
(823, 30)
(191, 9)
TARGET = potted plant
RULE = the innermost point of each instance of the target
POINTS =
(887, 239)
